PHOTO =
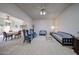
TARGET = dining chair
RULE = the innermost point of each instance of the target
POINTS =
(5, 36)
(18, 34)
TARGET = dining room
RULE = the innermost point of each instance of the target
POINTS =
(10, 27)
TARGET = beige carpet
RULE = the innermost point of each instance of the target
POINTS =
(39, 46)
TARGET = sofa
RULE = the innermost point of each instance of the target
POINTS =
(63, 37)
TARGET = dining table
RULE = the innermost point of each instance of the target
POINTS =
(13, 33)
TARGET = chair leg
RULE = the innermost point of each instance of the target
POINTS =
(6, 39)
(12, 37)
(24, 41)
(20, 35)
(3, 38)
(15, 36)
(29, 41)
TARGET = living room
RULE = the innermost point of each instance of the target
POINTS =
(59, 17)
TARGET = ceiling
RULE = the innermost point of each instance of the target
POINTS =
(52, 9)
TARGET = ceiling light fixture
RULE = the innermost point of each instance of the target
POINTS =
(43, 11)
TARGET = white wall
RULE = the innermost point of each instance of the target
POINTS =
(43, 24)
(69, 20)
(13, 10)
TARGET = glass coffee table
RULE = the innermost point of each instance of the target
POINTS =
(48, 36)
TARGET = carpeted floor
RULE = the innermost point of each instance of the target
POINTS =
(39, 46)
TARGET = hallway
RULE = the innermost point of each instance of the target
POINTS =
(39, 46)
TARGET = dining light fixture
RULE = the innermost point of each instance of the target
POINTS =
(43, 11)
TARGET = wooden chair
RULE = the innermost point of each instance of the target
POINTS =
(18, 35)
(5, 36)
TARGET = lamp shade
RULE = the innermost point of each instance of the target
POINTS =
(52, 27)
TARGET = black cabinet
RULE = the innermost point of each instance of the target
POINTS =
(76, 45)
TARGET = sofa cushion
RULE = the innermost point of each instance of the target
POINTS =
(62, 34)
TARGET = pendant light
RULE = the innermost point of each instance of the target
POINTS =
(43, 10)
